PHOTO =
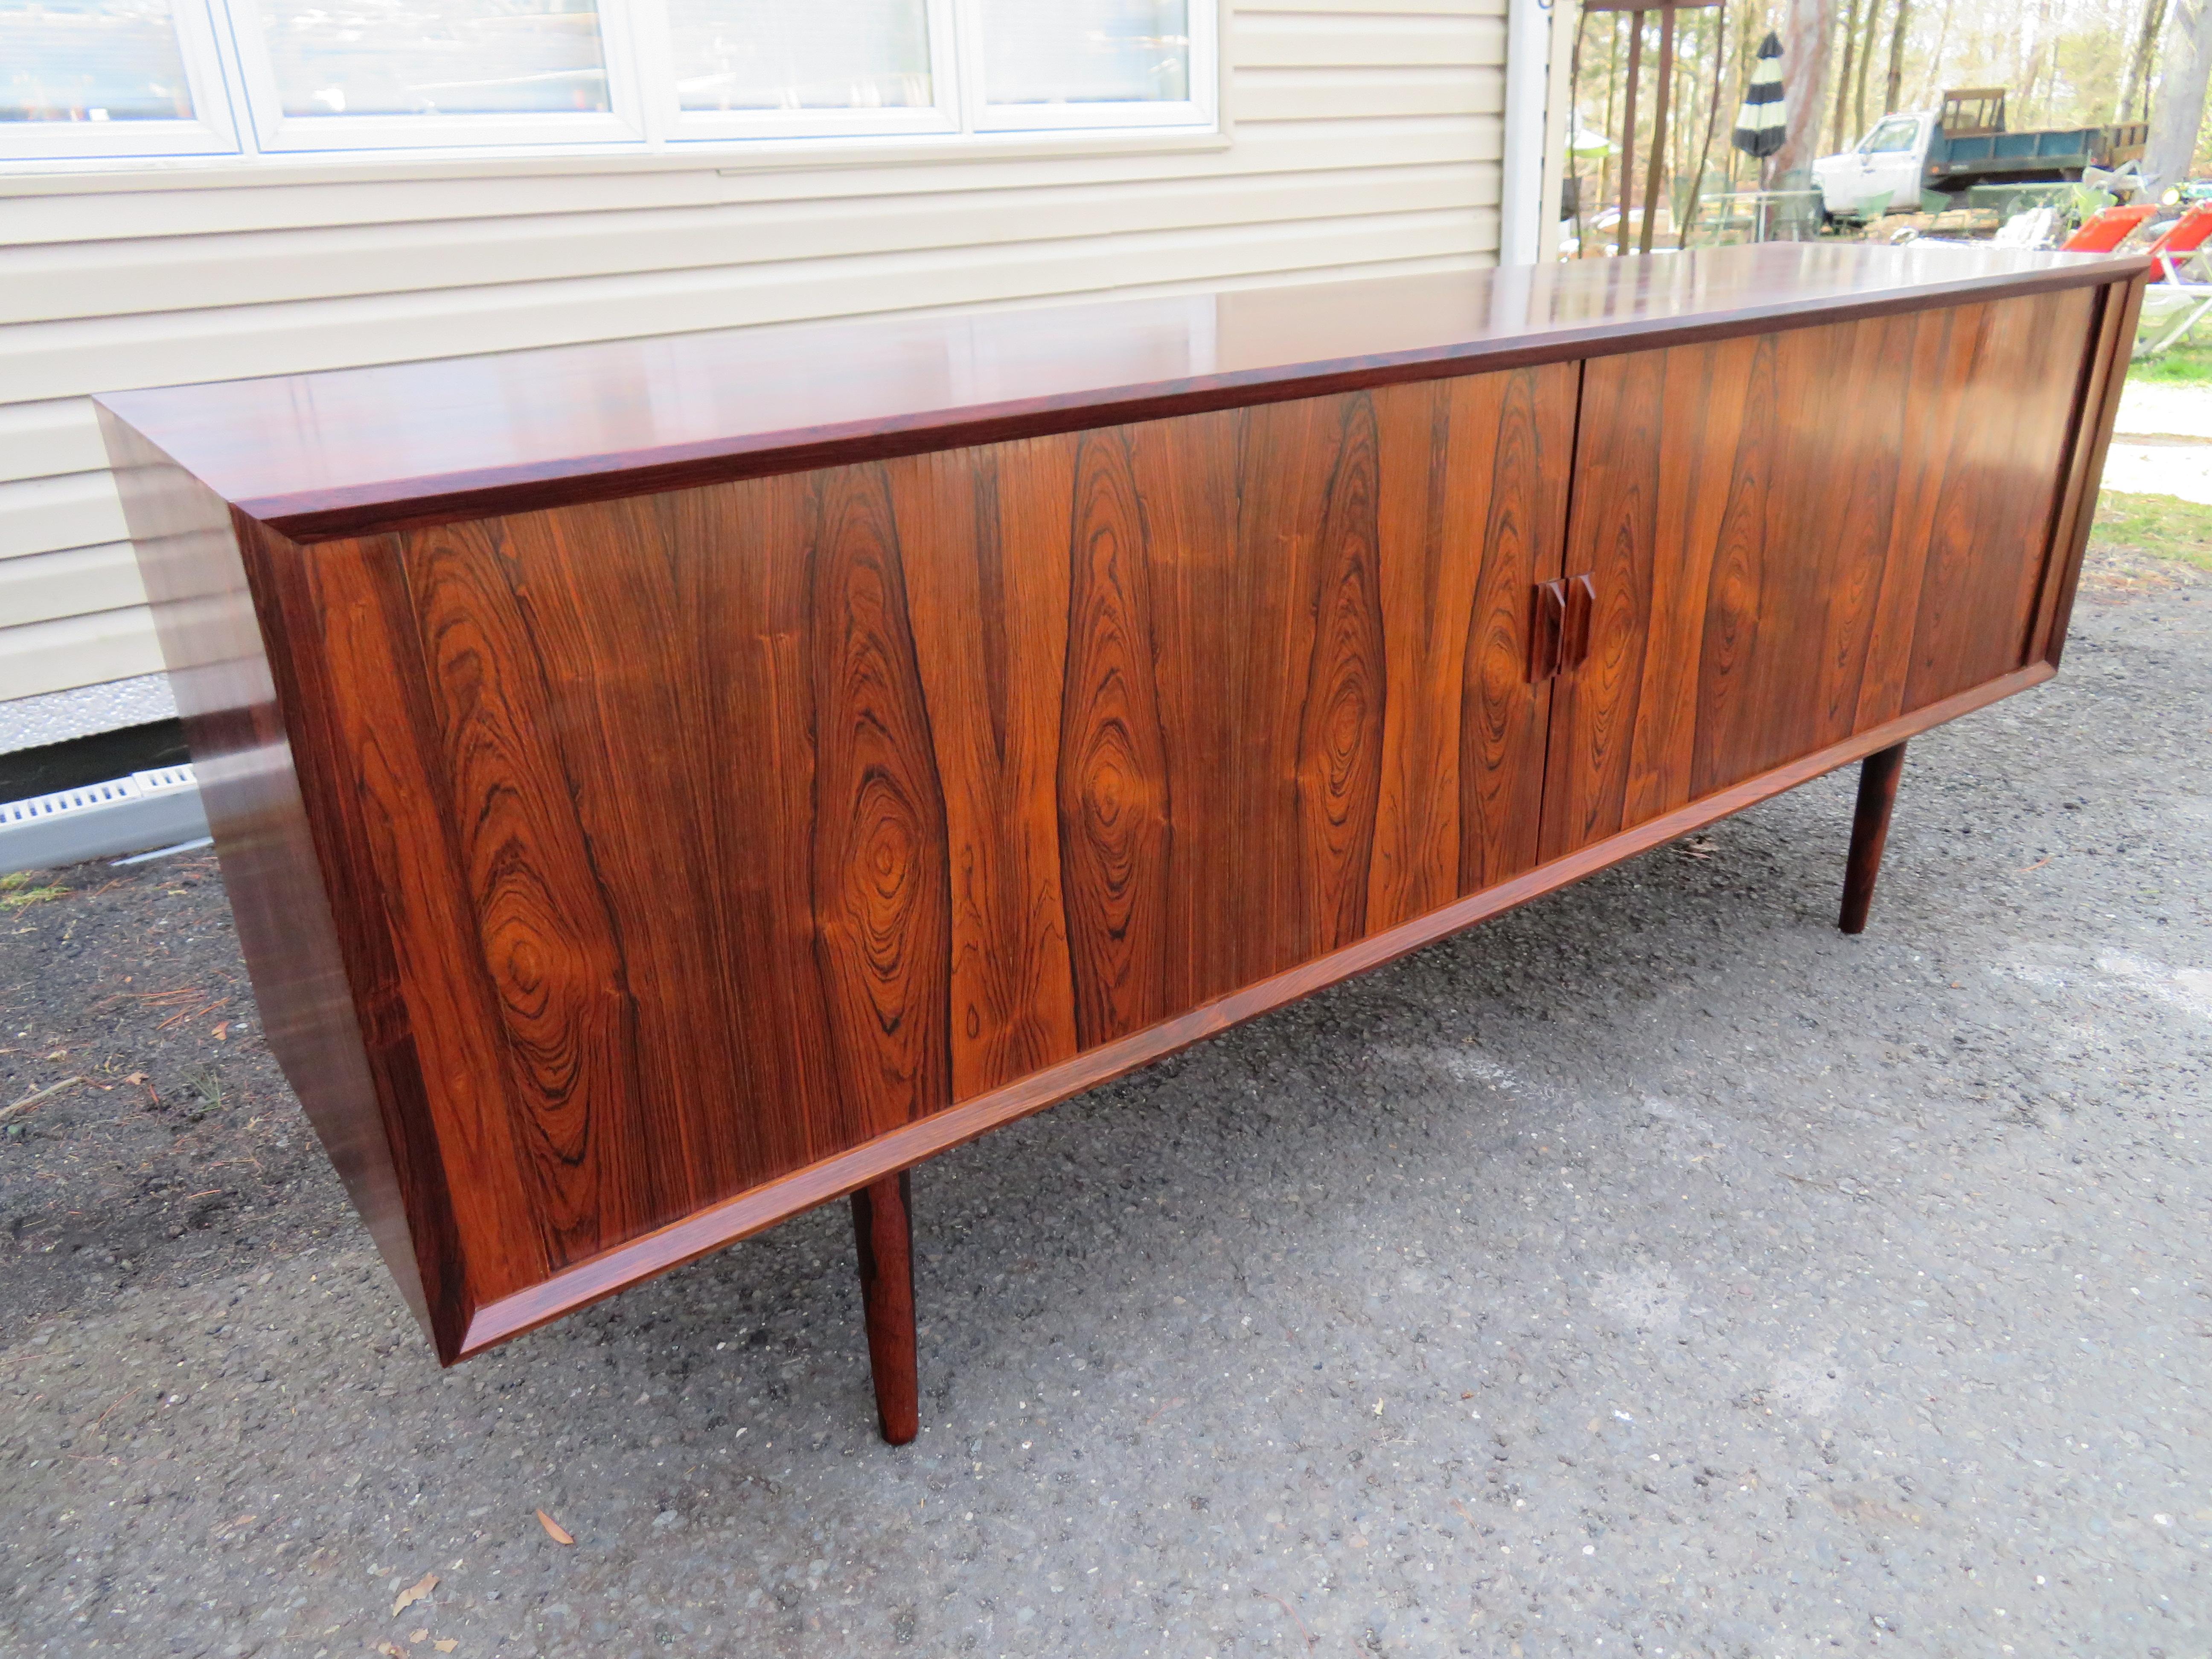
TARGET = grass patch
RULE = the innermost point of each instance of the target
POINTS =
(2164, 526)
(2145, 545)
(2187, 364)
(16, 891)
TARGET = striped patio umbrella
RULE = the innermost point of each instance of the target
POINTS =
(1760, 124)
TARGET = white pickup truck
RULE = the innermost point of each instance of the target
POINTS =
(1883, 172)
(1965, 143)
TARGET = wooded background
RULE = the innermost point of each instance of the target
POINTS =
(2066, 62)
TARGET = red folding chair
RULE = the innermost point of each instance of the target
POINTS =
(2179, 298)
(2106, 228)
(2184, 240)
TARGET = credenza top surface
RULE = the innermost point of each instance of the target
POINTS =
(351, 451)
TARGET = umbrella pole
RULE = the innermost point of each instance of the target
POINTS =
(1656, 180)
(1628, 126)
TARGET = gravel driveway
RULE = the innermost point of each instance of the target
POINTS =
(1652, 1272)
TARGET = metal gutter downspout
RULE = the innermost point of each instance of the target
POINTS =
(1528, 27)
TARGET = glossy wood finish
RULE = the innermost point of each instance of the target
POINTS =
(1795, 537)
(2119, 308)
(221, 674)
(1878, 776)
(691, 840)
(883, 1234)
(819, 1183)
(347, 453)
(644, 869)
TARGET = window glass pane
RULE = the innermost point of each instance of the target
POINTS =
(815, 54)
(92, 60)
(1087, 51)
(435, 57)
(1892, 136)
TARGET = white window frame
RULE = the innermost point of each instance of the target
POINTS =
(209, 132)
(228, 66)
(671, 123)
(1202, 19)
(276, 133)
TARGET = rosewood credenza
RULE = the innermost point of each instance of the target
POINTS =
(669, 783)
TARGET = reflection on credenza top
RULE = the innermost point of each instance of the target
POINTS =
(351, 451)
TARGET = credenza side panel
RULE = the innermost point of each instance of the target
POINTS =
(705, 835)
(1797, 535)
(216, 622)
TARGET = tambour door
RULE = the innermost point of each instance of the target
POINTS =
(1264, 674)
(719, 830)
(1791, 537)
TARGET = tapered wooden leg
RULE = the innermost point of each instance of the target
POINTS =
(883, 1226)
(1869, 832)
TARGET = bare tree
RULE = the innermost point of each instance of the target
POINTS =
(1745, 43)
(2135, 80)
(1892, 90)
(1853, 10)
(1611, 89)
(1806, 26)
(1935, 58)
(2042, 57)
(1866, 57)
(1689, 218)
(2178, 113)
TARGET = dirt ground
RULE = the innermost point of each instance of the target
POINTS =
(1652, 1271)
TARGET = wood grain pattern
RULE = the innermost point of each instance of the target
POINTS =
(1115, 807)
(700, 837)
(989, 609)
(544, 934)
(882, 904)
(639, 678)
(689, 858)
(368, 776)
(747, 598)
(2121, 305)
(1777, 568)
(754, 1212)
(2001, 487)
(1339, 725)
(1302, 608)
(1528, 443)
(1193, 486)
(1425, 586)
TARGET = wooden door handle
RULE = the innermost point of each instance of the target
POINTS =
(1547, 629)
(1574, 634)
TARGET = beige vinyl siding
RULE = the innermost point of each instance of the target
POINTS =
(1365, 138)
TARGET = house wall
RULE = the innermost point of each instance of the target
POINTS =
(1364, 137)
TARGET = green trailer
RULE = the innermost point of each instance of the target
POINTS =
(1970, 146)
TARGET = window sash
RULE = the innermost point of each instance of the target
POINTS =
(1196, 111)
(276, 132)
(226, 55)
(209, 132)
(672, 122)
